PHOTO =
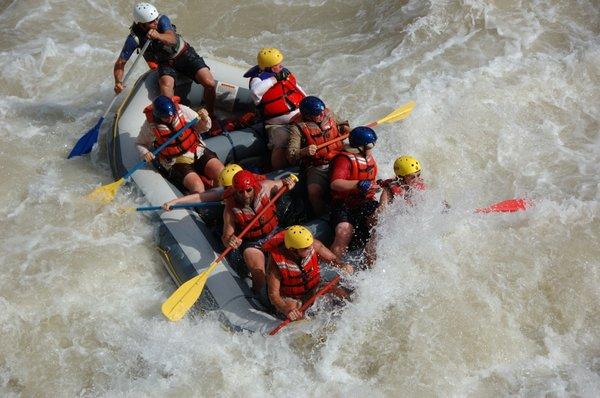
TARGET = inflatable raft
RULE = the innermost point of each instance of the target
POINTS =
(185, 241)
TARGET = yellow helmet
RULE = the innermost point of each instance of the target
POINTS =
(297, 237)
(268, 57)
(226, 175)
(406, 165)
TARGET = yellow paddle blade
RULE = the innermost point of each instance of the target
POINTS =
(186, 295)
(399, 114)
(106, 193)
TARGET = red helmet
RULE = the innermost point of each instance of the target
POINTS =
(243, 180)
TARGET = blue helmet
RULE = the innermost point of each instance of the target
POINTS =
(163, 107)
(362, 136)
(311, 106)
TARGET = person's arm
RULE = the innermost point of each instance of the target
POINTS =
(211, 195)
(118, 72)
(275, 186)
(164, 32)
(228, 237)
(259, 87)
(327, 256)
(144, 142)
(119, 69)
(340, 172)
(289, 308)
(204, 123)
(294, 149)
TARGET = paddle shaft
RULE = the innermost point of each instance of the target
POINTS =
(160, 148)
(342, 137)
(252, 223)
(180, 206)
(308, 303)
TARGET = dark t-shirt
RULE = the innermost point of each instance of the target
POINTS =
(131, 43)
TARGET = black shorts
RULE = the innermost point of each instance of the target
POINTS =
(187, 64)
(357, 216)
(257, 243)
(179, 170)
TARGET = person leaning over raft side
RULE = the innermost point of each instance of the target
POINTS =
(407, 181)
(248, 199)
(293, 271)
(217, 194)
(404, 185)
(353, 187)
(167, 49)
(275, 91)
(186, 158)
(315, 125)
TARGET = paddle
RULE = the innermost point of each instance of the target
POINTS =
(186, 295)
(506, 206)
(399, 114)
(180, 206)
(85, 144)
(308, 303)
(106, 193)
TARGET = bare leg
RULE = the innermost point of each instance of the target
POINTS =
(193, 183)
(205, 78)
(255, 261)
(213, 169)
(166, 85)
(343, 235)
(279, 159)
(315, 197)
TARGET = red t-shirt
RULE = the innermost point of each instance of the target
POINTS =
(341, 169)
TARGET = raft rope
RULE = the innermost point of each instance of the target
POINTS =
(228, 136)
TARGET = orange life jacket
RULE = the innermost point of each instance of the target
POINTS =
(187, 142)
(362, 169)
(317, 134)
(242, 216)
(282, 98)
(297, 280)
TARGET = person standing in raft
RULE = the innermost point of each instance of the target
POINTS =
(407, 181)
(353, 186)
(293, 271)
(167, 51)
(249, 197)
(186, 158)
(316, 125)
(277, 95)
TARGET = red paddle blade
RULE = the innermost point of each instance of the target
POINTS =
(506, 206)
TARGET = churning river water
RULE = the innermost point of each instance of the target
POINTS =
(458, 304)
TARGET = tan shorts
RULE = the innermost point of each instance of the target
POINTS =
(278, 135)
(318, 175)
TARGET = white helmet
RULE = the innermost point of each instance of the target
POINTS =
(144, 12)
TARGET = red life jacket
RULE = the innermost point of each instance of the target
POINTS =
(242, 216)
(187, 142)
(404, 191)
(297, 280)
(361, 169)
(282, 98)
(317, 134)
